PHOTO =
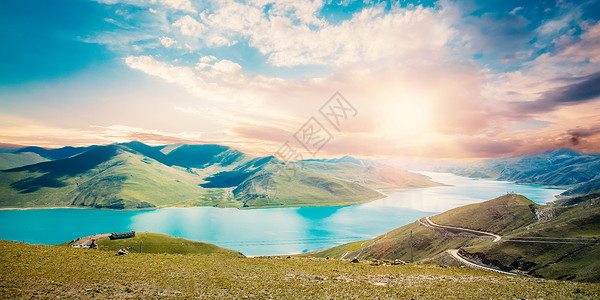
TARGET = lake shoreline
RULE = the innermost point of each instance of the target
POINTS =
(340, 204)
(263, 232)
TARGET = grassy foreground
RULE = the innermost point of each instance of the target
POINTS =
(50, 271)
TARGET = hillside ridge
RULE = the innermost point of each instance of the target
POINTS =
(551, 241)
(134, 175)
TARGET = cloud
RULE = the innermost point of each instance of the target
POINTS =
(486, 147)
(167, 41)
(448, 80)
(182, 5)
(226, 66)
(553, 26)
(370, 34)
(505, 38)
(515, 10)
(122, 133)
(183, 76)
(587, 47)
(576, 135)
(189, 26)
(584, 132)
(585, 89)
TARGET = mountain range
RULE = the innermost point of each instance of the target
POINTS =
(579, 172)
(561, 168)
(135, 176)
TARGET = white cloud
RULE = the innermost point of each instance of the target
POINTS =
(123, 133)
(587, 48)
(183, 5)
(213, 80)
(556, 25)
(515, 10)
(369, 35)
(189, 26)
(291, 33)
(226, 66)
(183, 76)
(304, 11)
(167, 41)
(207, 59)
(218, 41)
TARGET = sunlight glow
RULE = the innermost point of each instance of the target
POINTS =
(406, 115)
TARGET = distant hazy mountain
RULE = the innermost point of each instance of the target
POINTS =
(374, 176)
(53, 154)
(561, 168)
(134, 175)
(18, 157)
(347, 159)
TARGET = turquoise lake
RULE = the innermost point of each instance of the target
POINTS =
(269, 231)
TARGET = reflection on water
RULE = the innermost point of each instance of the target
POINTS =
(460, 191)
(267, 231)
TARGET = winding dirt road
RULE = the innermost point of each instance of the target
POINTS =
(495, 236)
(455, 252)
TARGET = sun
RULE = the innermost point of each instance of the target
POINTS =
(406, 115)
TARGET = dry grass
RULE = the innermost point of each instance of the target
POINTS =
(36, 271)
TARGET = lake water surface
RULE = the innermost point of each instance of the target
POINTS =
(267, 231)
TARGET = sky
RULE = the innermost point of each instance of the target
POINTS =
(304, 79)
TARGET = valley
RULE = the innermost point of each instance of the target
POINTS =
(510, 234)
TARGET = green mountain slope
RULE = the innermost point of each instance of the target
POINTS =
(501, 215)
(199, 156)
(134, 176)
(565, 238)
(584, 188)
(114, 176)
(15, 160)
(278, 185)
(571, 253)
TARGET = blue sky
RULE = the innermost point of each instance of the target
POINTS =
(475, 78)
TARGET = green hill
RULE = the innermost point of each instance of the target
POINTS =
(112, 176)
(583, 188)
(572, 251)
(160, 243)
(198, 156)
(137, 176)
(278, 186)
(15, 160)
(560, 242)
(36, 271)
(501, 215)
